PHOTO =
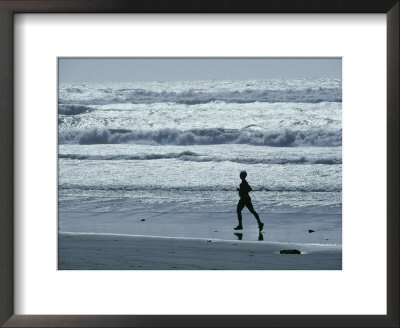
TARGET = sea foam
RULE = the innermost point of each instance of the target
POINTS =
(193, 97)
(170, 136)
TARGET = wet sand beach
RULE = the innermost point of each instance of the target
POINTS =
(165, 240)
(119, 252)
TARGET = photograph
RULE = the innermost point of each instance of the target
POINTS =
(199, 163)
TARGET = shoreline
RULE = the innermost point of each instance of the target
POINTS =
(70, 233)
(280, 226)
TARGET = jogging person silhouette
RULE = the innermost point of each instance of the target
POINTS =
(245, 200)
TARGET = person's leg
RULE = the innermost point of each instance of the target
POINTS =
(251, 209)
(239, 208)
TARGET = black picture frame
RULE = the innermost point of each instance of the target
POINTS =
(10, 7)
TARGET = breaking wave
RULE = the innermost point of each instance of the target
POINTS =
(168, 136)
(128, 157)
(194, 157)
(73, 109)
(193, 97)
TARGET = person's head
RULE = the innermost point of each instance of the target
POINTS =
(243, 175)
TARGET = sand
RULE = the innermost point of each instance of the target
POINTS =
(165, 239)
(119, 252)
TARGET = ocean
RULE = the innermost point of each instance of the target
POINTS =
(179, 146)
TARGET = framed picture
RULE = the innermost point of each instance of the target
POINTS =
(125, 157)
